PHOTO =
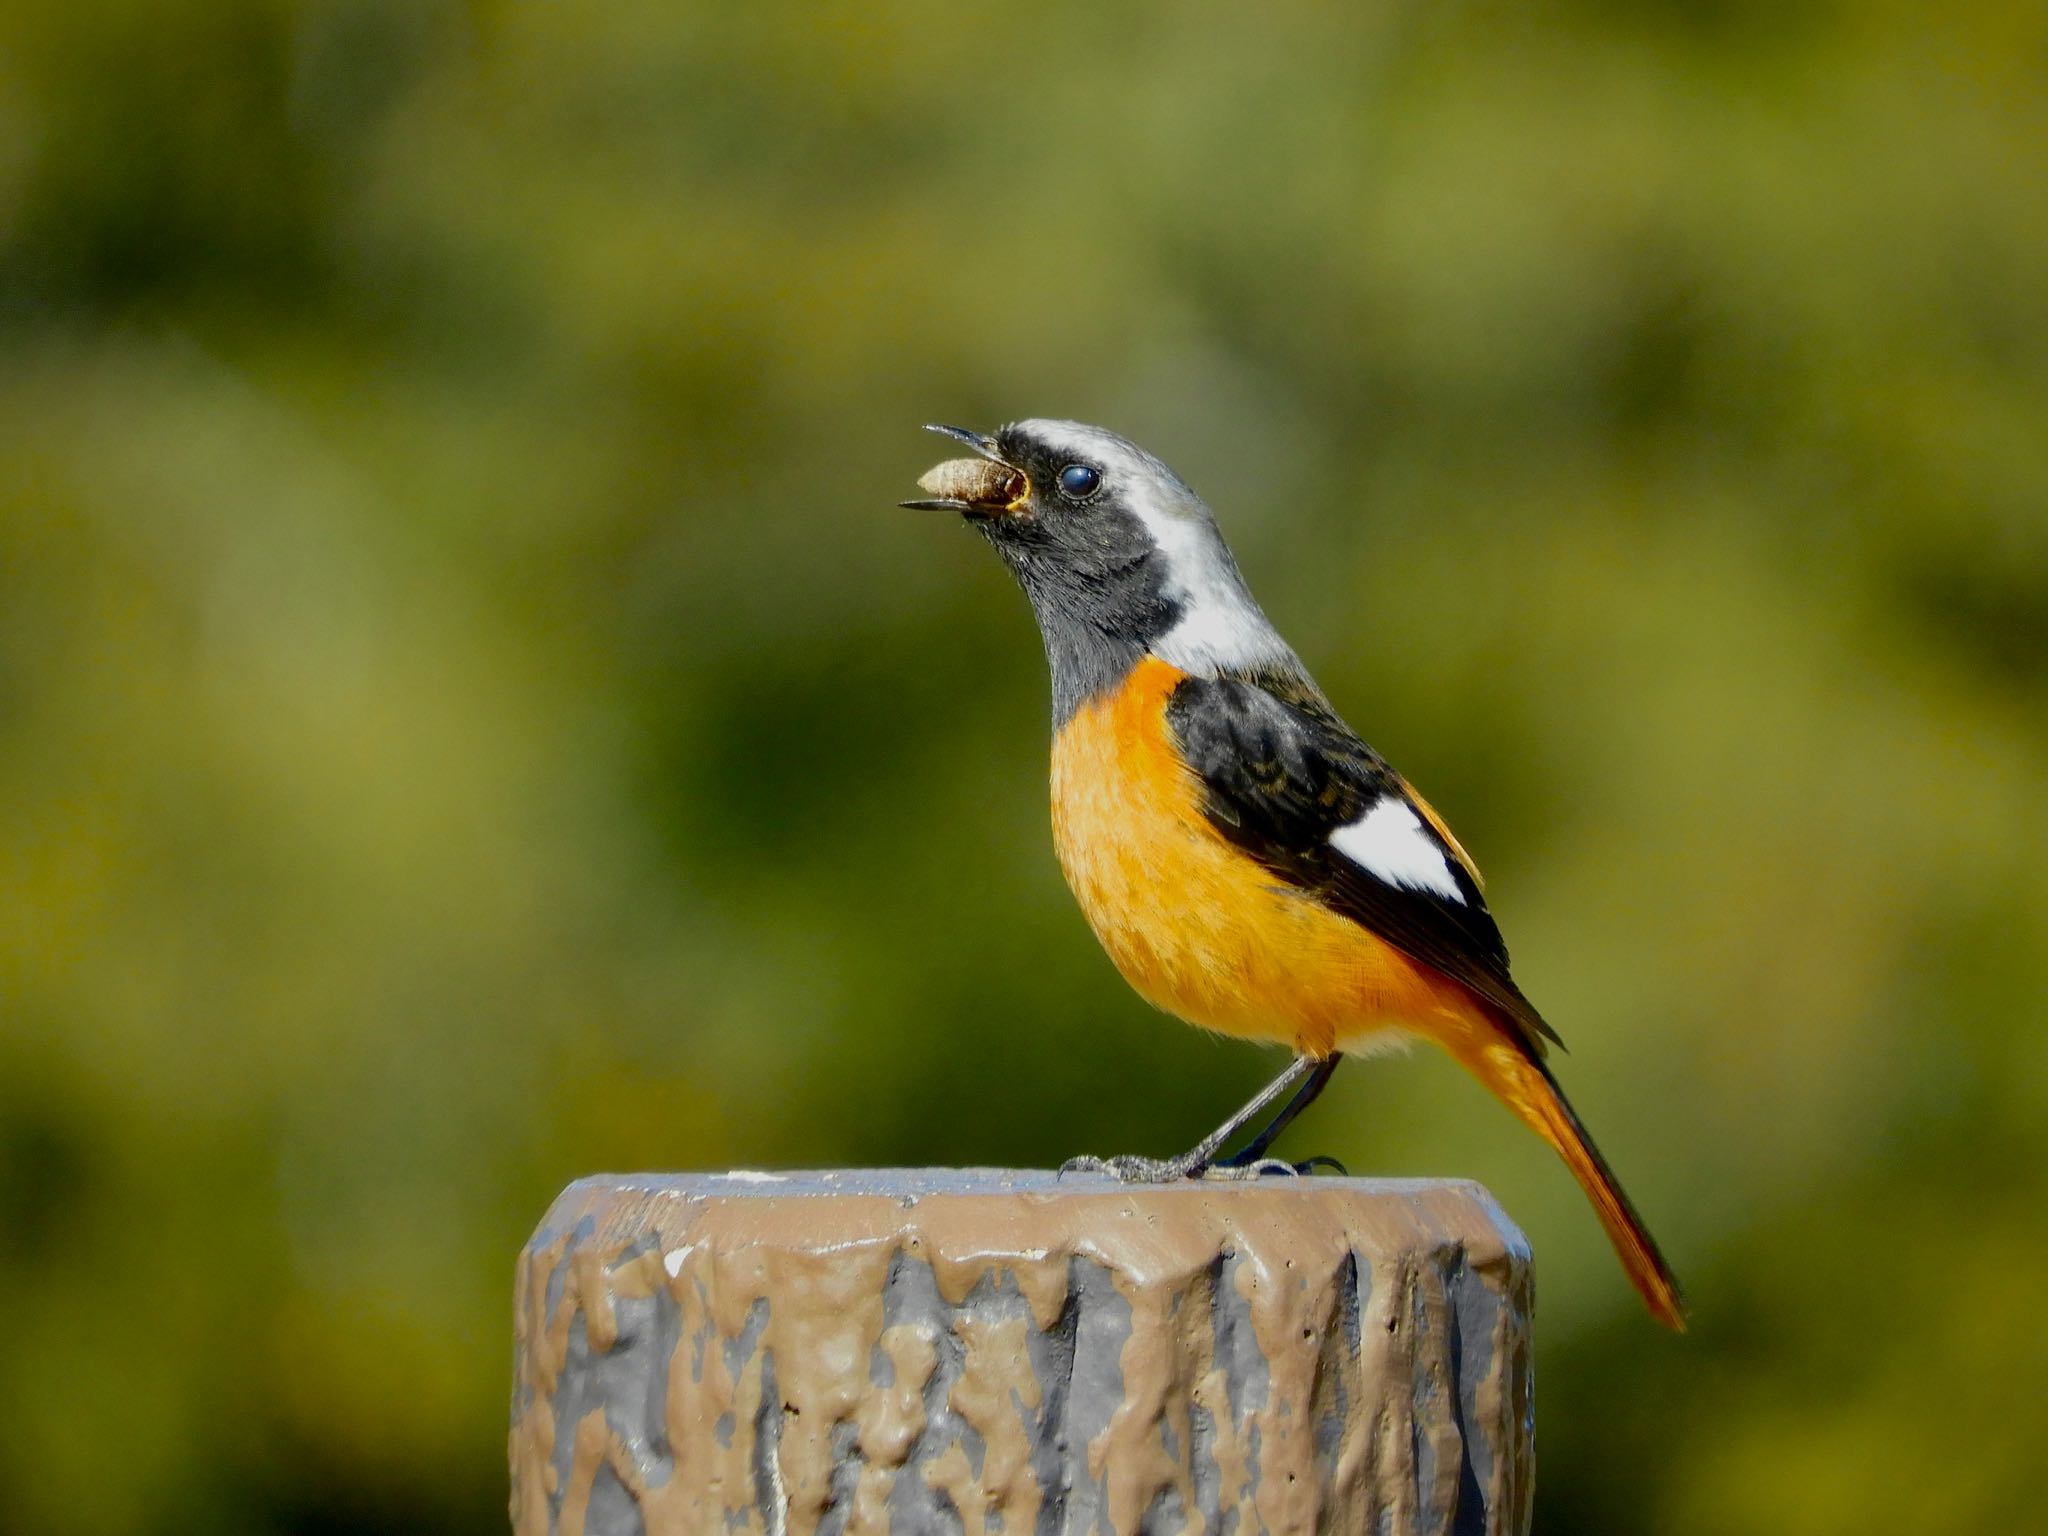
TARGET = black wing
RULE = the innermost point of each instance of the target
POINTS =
(1282, 776)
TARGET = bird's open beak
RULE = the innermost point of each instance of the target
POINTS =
(983, 486)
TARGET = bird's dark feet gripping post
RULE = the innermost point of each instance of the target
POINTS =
(1249, 1161)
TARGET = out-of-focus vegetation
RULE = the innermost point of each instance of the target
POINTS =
(470, 715)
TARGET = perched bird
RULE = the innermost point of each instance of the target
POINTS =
(1250, 864)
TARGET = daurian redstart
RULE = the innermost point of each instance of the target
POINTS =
(1250, 864)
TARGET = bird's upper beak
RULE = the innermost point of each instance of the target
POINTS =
(983, 486)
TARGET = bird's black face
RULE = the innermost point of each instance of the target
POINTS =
(1119, 558)
(1063, 510)
(1017, 474)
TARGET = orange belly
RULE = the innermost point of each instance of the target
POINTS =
(1198, 927)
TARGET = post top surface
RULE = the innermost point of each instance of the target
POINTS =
(1030, 1211)
(918, 1183)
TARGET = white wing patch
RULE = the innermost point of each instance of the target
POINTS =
(1390, 843)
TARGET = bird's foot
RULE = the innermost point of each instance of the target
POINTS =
(1132, 1169)
(1129, 1168)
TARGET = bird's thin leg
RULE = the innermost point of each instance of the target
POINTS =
(1199, 1158)
(1254, 1150)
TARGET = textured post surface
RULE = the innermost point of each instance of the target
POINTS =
(979, 1351)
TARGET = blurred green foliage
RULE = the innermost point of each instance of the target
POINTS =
(470, 716)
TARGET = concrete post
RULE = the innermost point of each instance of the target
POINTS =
(940, 1350)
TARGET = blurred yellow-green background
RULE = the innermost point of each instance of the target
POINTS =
(471, 716)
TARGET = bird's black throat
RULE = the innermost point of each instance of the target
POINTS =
(1098, 590)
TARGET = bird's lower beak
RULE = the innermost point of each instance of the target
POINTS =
(979, 487)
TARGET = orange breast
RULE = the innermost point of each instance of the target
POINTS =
(1198, 927)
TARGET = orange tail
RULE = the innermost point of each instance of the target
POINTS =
(1525, 1085)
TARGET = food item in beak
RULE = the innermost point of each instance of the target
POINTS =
(978, 482)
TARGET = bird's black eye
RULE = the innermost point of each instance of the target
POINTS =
(1079, 481)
